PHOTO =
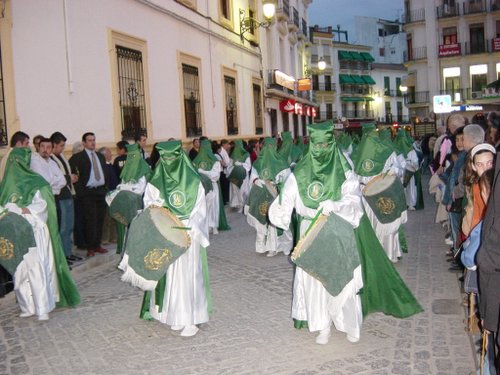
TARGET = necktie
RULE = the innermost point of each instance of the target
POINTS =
(95, 166)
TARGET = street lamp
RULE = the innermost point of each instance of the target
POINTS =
(250, 23)
(403, 89)
(321, 64)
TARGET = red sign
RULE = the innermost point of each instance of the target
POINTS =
(298, 109)
(496, 44)
(446, 50)
(310, 111)
(287, 105)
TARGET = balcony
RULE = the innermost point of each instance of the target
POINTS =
(457, 95)
(293, 21)
(446, 11)
(474, 8)
(323, 86)
(393, 93)
(475, 48)
(415, 54)
(326, 115)
(303, 31)
(418, 97)
(359, 114)
(283, 11)
(356, 90)
(417, 15)
(494, 5)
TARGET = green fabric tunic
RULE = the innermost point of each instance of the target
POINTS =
(19, 186)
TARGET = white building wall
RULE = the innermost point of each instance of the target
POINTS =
(46, 102)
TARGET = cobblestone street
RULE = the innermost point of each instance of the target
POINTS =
(250, 331)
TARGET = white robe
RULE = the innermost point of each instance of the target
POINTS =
(267, 238)
(311, 301)
(411, 188)
(185, 300)
(238, 195)
(387, 234)
(213, 197)
(35, 278)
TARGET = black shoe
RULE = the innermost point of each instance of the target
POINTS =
(461, 279)
(70, 263)
(456, 268)
(74, 258)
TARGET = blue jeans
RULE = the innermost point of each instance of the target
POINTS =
(454, 218)
(66, 225)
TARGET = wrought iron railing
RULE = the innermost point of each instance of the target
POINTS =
(417, 97)
(417, 15)
(419, 53)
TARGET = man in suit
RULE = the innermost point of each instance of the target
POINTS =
(90, 166)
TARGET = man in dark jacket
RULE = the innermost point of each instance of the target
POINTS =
(90, 166)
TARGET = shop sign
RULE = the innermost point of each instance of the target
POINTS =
(287, 105)
(446, 50)
(284, 80)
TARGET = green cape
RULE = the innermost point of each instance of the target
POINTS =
(344, 141)
(369, 128)
(205, 158)
(286, 147)
(269, 163)
(135, 166)
(239, 153)
(321, 172)
(176, 179)
(19, 186)
(370, 156)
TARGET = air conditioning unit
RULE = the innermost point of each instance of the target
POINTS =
(477, 94)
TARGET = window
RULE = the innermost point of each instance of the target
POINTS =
(329, 111)
(131, 92)
(381, 51)
(477, 38)
(315, 82)
(497, 30)
(398, 86)
(192, 109)
(4, 137)
(399, 109)
(478, 77)
(225, 9)
(450, 35)
(257, 109)
(231, 107)
(286, 121)
(295, 125)
(328, 83)
(387, 86)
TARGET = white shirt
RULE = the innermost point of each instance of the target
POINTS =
(50, 171)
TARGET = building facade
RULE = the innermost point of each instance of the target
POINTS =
(168, 69)
(453, 48)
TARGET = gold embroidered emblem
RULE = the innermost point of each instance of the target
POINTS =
(263, 208)
(368, 165)
(315, 190)
(156, 259)
(177, 199)
(386, 205)
(6, 249)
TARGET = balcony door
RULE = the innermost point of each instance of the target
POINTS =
(477, 38)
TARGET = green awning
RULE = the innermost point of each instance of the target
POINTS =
(366, 56)
(355, 56)
(369, 99)
(345, 78)
(351, 99)
(344, 55)
(358, 80)
(369, 80)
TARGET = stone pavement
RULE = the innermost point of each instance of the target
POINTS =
(250, 331)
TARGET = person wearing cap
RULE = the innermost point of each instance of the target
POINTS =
(182, 298)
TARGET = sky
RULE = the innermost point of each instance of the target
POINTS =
(341, 12)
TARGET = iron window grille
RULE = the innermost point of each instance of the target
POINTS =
(131, 92)
(192, 112)
(257, 109)
(231, 108)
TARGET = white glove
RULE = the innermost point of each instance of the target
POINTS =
(201, 171)
(238, 163)
(328, 207)
(259, 182)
